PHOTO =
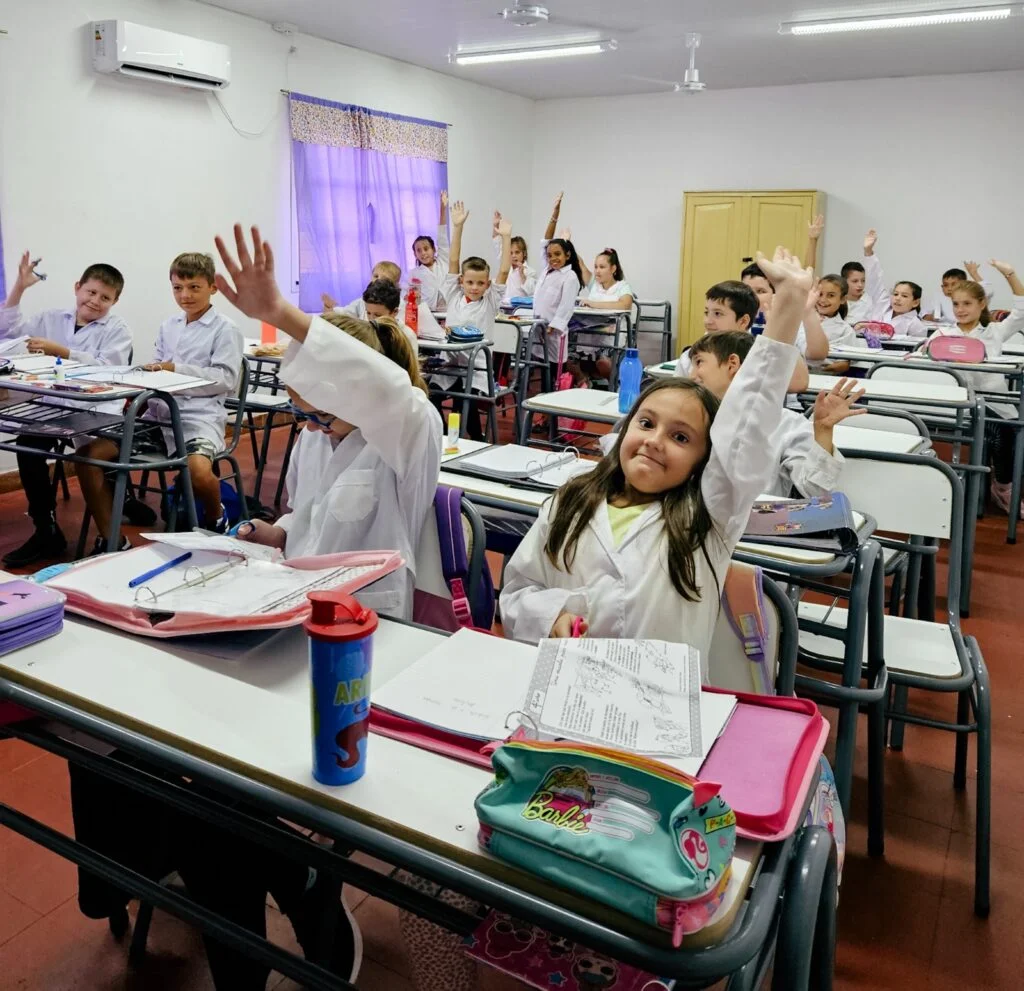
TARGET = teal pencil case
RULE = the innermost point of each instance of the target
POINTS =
(616, 827)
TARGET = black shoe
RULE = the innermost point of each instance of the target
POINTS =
(100, 546)
(45, 542)
(341, 951)
(137, 513)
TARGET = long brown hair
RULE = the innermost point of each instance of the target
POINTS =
(977, 293)
(688, 524)
(386, 338)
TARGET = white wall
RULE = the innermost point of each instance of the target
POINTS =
(934, 163)
(97, 168)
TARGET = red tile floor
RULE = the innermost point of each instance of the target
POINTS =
(905, 922)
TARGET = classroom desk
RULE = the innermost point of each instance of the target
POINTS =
(583, 404)
(18, 418)
(202, 708)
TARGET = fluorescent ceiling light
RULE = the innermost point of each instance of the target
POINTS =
(881, 22)
(525, 54)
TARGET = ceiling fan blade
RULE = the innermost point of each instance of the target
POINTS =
(671, 84)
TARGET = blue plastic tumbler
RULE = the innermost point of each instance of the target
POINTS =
(340, 634)
(631, 371)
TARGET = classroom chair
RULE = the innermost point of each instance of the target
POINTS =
(654, 316)
(900, 371)
(227, 454)
(920, 654)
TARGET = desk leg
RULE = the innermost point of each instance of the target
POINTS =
(252, 437)
(972, 501)
(261, 461)
(805, 951)
(1018, 467)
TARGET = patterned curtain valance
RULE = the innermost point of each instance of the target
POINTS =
(342, 125)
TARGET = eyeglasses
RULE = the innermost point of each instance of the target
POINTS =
(323, 420)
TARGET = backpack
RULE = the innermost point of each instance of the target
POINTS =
(471, 607)
(952, 347)
(743, 608)
(228, 497)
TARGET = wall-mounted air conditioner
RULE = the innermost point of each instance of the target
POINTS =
(148, 53)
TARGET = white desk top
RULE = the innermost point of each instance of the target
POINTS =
(428, 345)
(1008, 364)
(250, 712)
(898, 389)
(586, 404)
(848, 437)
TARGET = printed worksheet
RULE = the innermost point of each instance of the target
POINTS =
(641, 695)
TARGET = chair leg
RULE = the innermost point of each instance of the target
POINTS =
(983, 823)
(896, 592)
(83, 535)
(897, 726)
(137, 950)
(876, 778)
(963, 708)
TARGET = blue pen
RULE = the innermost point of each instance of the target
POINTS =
(166, 566)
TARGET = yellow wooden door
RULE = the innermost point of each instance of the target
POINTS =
(780, 218)
(714, 232)
(721, 230)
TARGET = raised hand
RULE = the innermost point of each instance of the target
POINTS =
(812, 300)
(26, 271)
(558, 204)
(254, 290)
(1005, 269)
(833, 407)
(504, 227)
(785, 270)
(328, 300)
(816, 226)
(870, 240)
(444, 198)
(458, 213)
(565, 233)
(973, 270)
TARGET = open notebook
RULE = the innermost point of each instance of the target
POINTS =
(519, 465)
(136, 376)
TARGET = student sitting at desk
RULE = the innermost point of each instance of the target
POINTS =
(970, 307)
(427, 327)
(432, 259)
(902, 306)
(473, 301)
(88, 333)
(732, 306)
(829, 303)
(941, 309)
(639, 547)
(199, 342)
(605, 288)
(810, 339)
(558, 285)
(522, 278)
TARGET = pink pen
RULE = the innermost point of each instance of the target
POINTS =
(577, 628)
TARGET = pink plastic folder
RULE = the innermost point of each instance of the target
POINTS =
(765, 760)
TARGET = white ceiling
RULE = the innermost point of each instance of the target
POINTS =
(741, 46)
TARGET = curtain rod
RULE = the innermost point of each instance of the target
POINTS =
(288, 92)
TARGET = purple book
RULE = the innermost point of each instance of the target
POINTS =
(28, 612)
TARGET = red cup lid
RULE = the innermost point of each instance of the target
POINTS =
(338, 616)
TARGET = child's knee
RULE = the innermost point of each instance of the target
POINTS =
(200, 467)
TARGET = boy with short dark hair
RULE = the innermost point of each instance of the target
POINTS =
(941, 309)
(203, 344)
(87, 333)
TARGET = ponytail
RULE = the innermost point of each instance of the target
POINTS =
(385, 337)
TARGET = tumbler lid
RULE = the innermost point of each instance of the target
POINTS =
(338, 616)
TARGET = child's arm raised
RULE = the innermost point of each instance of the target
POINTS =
(874, 281)
(743, 458)
(505, 261)
(1014, 323)
(459, 217)
(831, 408)
(549, 231)
(10, 314)
(814, 231)
(442, 231)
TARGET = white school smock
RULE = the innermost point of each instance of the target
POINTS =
(521, 282)
(941, 307)
(357, 309)
(310, 453)
(378, 486)
(554, 300)
(106, 341)
(599, 318)
(907, 324)
(994, 336)
(625, 591)
(838, 331)
(859, 310)
(800, 461)
(208, 348)
(432, 277)
(462, 312)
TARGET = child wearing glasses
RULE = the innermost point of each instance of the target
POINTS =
(364, 481)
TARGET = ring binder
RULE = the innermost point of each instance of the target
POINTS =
(198, 577)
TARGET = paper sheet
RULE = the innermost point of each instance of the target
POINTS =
(641, 695)
(136, 377)
(469, 684)
(514, 460)
(252, 587)
(191, 541)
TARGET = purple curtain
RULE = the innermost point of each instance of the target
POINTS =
(357, 206)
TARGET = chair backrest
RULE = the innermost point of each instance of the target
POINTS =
(894, 371)
(236, 422)
(895, 421)
(911, 494)
(432, 604)
(730, 668)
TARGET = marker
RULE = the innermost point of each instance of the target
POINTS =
(577, 628)
(166, 566)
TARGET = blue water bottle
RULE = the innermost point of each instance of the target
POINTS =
(340, 634)
(630, 373)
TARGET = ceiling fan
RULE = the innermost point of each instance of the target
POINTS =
(691, 82)
(528, 15)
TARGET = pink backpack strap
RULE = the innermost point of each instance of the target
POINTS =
(743, 602)
(452, 541)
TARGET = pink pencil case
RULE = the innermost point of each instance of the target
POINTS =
(147, 623)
